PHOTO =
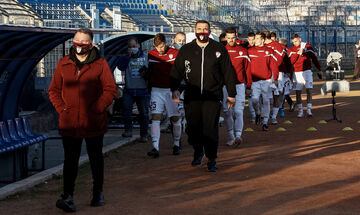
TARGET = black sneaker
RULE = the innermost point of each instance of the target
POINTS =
(98, 199)
(257, 119)
(153, 153)
(265, 127)
(176, 150)
(197, 160)
(212, 165)
(66, 203)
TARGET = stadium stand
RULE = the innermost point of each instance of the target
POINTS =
(13, 12)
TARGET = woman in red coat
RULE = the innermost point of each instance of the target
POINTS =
(81, 89)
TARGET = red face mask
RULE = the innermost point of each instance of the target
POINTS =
(81, 48)
(203, 37)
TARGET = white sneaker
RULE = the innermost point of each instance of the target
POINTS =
(308, 113)
(237, 142)
(274, 121)
(300, 114)
(230, 142)
(252, 121)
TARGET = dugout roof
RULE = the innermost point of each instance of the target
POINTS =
(21, 48)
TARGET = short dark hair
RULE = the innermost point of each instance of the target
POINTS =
(251, 34)
(202, 21)
(261, 34)
(159, 38)
(273, 34)
(267, 34)
(222, 36)
(230, 30)
(295, 36)
(133, 39)
(283, 41)
(85, 31)
(180, 32)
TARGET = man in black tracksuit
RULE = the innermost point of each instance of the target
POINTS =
(205, 65)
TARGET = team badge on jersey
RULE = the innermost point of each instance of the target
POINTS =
(240, 53)
(218, 54)
(171, 56)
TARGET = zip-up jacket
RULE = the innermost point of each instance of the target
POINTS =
(80, 93)
(241, 63)
(303, 62)
(205, 70)
(160, 67)
(263, 63)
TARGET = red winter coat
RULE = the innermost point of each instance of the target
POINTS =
(81, 98)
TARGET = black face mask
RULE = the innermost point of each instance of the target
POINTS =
(203, 37)
(224, 42)
(82, 48)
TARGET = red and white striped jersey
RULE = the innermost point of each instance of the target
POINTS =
(278, 51)
(303, 62)
(241, 63)
(160, 67)
(263, 63)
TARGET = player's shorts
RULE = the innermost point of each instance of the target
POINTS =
(240, 98)
(161, 101)
(287, 84)
(303, 78)
(284, 84)
(262, 87)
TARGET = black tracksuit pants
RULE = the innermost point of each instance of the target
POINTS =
(72, 150)
(202, 118)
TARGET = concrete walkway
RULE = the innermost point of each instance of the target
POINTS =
(54, 156)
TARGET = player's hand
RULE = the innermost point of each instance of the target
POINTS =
(319, 74)
(231, 102)
(176, 96)
(300, 52)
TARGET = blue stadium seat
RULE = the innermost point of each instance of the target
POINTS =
(6, 137)
(21, 132)
(5, 147)
(14, 133)
(29, 132)
(156, 7)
